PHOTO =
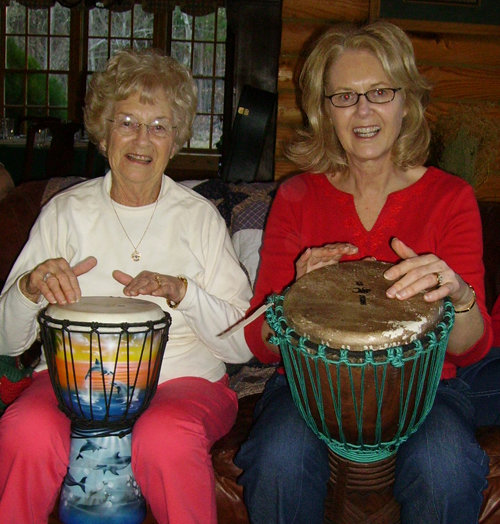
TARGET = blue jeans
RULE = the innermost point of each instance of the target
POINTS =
(440, 471)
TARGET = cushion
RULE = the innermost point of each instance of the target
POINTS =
(14, 379)
(244, 207)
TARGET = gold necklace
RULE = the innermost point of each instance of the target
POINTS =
(135, 255)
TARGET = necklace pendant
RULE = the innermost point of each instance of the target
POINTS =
(136, 256)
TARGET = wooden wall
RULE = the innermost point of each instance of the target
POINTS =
(464, 69)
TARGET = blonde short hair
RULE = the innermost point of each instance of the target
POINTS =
(316, 146)
(141, 71)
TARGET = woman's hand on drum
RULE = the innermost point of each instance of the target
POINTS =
(424, 273)
(316, 257)
(148, 283)
(56, 280)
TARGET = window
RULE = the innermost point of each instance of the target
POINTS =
(37, 51)
(199, 43)
(109, 31)
(49, 54)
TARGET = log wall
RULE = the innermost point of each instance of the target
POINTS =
(464, 69)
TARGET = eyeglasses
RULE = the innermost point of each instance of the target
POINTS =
(127, 125)
(381, 95)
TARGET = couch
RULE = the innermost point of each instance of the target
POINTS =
(244, 207)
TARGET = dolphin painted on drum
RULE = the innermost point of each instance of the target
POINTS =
(115, 463)
(89, 445)
(70, 481)
(98, 368)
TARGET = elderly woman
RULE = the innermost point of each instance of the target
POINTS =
(138, 233)
(366, 193)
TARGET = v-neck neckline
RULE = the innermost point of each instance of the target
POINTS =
(350, 198)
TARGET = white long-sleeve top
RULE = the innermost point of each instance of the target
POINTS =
(186, 236)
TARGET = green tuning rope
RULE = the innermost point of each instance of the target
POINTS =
(364, 405)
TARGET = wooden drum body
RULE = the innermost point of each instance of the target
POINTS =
(104, 356)
(363, 369)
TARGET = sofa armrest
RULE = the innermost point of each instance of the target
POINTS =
(18, 211)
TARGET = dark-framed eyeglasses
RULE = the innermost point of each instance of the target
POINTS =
(380, 95)
(127, 125)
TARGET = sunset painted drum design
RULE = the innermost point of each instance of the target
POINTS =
(104, 356)
(363, 369)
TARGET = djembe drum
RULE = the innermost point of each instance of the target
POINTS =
(104, 356)
(363, 371)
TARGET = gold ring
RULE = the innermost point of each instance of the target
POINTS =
(158, 279)
(439, 279)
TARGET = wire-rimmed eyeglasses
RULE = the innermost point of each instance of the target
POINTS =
(380, 95)
(127, 125)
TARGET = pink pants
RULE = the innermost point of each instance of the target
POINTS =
(171, 444)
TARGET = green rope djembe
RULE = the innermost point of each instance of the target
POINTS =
(362, 404)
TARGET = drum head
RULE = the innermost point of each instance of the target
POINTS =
(107, 310)
(345, 306)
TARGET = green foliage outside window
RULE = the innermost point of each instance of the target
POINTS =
(36, 92)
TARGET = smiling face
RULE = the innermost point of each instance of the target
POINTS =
(141, 158)
(367, 131)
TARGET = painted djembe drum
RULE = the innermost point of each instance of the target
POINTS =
(104, 357)
(363, 371)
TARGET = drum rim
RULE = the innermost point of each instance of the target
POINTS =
(326, 306)
(276, 300)
(161, 323)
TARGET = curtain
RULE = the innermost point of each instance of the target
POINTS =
(192, 7)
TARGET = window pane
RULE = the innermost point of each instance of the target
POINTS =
(59, 53)
(220, 61)
(143, 23)
(60, 113)
(60, 20)
(37, 89)
(182, 53)
(203, 59)
(181, 25)
(98, 22)
(221, 25)
(37, 50)
(216, 132)
(15, 52)
(201, 134)
(38, 21)
(204, 95)
(14, 88)
(16, 113)
(118, 44)
(98, 54)
(16, 18)
(35, 111)
(205, 27)
(121, 23)
(58, 89)
(142, 44)
(219, 97)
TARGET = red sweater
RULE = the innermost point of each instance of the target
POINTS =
(437, 214)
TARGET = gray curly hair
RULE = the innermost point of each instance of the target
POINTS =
(140, 71)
